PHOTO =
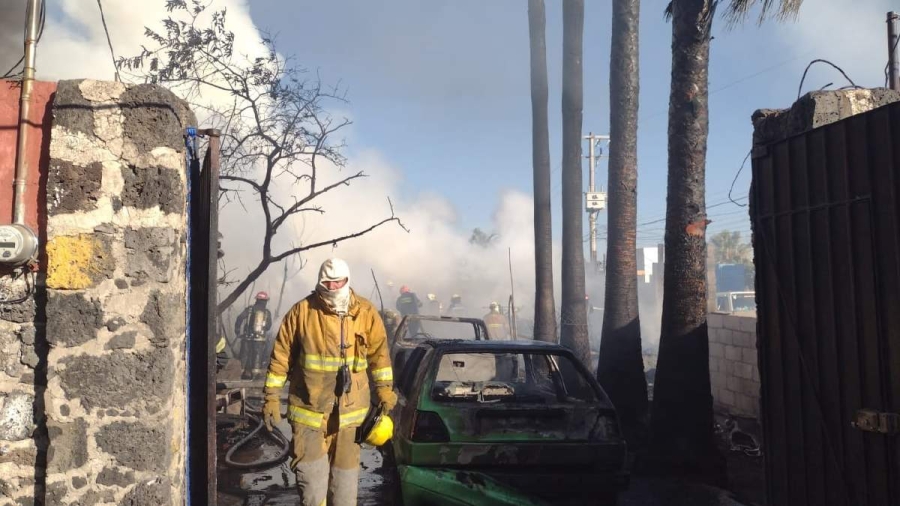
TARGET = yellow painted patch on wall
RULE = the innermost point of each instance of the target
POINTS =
(70, 262)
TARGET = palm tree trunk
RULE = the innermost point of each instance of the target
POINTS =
(682, 416)
(573, 317)
(544, 305)
(620, 368)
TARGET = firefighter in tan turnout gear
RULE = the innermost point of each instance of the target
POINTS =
(497, 324)
(330, 346)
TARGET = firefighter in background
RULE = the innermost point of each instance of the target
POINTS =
(497, 324)
(331, 345)
(434, 307)
(251, 327)
(456, 306)
(391, 321)
(408, 303)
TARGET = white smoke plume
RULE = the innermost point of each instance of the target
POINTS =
(434, 256)
(74, 46)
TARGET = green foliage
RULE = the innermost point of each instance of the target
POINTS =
(737, 11)
(729, 249)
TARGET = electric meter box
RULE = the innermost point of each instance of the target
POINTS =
(595, 201)
(18, 245)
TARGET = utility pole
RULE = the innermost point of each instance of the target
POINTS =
(893, 56)
(595, 201)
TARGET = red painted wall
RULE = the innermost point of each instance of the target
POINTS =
(38, 151)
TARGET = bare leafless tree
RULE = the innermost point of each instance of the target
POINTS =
(276, 131)
(292, 268)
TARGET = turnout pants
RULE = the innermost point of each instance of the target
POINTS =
(326, 464)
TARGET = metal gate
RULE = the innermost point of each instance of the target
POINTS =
(826, 241)
(202, 284)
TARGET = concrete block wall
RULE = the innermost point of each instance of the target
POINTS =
(114, 402)
(733, 366)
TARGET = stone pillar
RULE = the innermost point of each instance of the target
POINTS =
(115, 309)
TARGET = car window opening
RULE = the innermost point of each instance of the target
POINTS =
(510, 377)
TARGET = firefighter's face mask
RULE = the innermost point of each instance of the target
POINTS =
(334, 284)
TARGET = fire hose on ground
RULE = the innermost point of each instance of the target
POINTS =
(276, 435)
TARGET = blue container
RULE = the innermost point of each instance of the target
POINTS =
(731, 278)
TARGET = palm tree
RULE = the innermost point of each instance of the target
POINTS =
(544, 305)
(682, 417)
(620, 368)
(574, 332)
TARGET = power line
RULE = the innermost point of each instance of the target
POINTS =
(736, 178)
(707, 207)
(43, 18)
(709, 196)
(109, 41)
(9, 73)
(742, 79)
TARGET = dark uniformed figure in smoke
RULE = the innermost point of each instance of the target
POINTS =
(408, 303)
(251, 327)
(391, 321)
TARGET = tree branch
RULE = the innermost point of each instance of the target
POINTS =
(334, 242)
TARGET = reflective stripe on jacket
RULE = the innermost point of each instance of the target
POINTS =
(498, 326)
(307, 351)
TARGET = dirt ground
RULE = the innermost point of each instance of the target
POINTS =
(275, 486)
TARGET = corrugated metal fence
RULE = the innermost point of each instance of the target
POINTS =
(826, 232)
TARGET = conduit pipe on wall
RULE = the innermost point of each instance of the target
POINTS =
(21, 178)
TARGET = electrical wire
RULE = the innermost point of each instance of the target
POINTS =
(819, 60)
(109, 41)
(711, 206)
(29, 287)
(43, 15)
(9, 73)
(741, 80)
(736, 178)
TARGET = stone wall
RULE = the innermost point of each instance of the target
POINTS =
(115, 400)
(733, 369)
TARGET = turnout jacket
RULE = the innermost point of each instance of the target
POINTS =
(308, 353)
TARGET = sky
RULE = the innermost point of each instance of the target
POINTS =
(439, 95)
(441, 88)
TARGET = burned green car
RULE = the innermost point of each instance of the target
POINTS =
(503, 423)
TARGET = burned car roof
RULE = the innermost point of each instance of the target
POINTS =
(519, 345)
(435, 318)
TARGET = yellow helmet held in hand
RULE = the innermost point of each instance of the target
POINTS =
(377, 428)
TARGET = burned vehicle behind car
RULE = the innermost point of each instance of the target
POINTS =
(414, 329)
(504, 422)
